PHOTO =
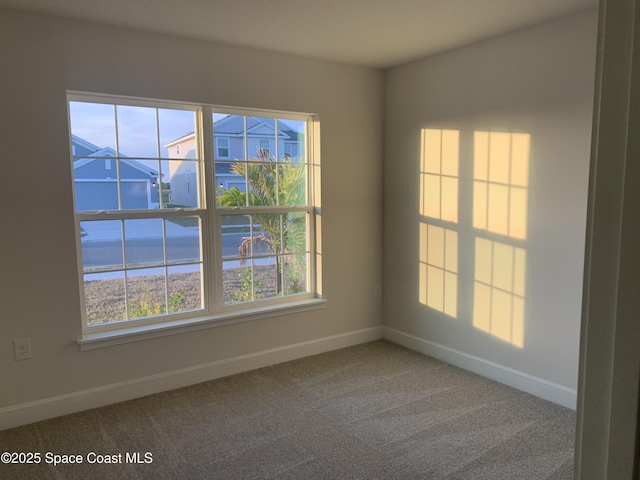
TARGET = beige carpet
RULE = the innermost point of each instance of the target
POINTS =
(373, 411)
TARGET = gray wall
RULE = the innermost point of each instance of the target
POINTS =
(42, 57)
(537, 81)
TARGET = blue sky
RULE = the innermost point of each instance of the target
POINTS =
(138, 128)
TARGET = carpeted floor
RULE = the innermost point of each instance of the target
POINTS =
(373, 411)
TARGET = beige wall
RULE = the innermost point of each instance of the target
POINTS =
(537, 81)
(42, 57)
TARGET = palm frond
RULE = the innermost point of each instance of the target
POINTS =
(244, 250)
(232, 197)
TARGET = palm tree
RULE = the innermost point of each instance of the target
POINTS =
(270, 183)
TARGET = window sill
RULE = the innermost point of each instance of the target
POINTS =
(133, 333)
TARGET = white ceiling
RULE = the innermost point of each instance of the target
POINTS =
(376, 33)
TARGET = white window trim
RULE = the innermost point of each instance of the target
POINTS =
(214, 313)
(128, 334)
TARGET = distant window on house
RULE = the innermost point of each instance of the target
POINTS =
(178, 149)
(264, 147)
(222, 147)
(141, 229)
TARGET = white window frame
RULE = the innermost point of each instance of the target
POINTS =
(214, 312)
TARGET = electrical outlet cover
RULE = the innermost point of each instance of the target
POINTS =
(22, 348)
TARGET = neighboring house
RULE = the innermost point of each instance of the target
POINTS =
(229, 147)
(96, 179)
(183, 175)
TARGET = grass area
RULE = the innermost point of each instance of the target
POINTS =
(105, 299)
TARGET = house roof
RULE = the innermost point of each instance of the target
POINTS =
(107, 152)
(230, 126)
(83, 143)
(188, 136)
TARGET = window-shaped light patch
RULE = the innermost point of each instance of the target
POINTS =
(501, 179)
(499, 290)
(439, 269)
(439, 160)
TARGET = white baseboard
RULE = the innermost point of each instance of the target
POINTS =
(25, 413)
(545, 389)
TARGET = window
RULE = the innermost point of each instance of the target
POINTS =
(264, 147)
(158, 241)
(178, 150)
(222, 147)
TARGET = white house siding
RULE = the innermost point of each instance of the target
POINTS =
(184, 185)
(240, 146)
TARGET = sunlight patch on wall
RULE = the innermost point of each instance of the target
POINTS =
(499, 290)
(438, 259)
(439, 269)
(500, 182)
(500, 198)
(439, 156)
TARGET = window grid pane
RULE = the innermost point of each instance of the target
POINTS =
(118, 158)
(135, 257)
(264, 256)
